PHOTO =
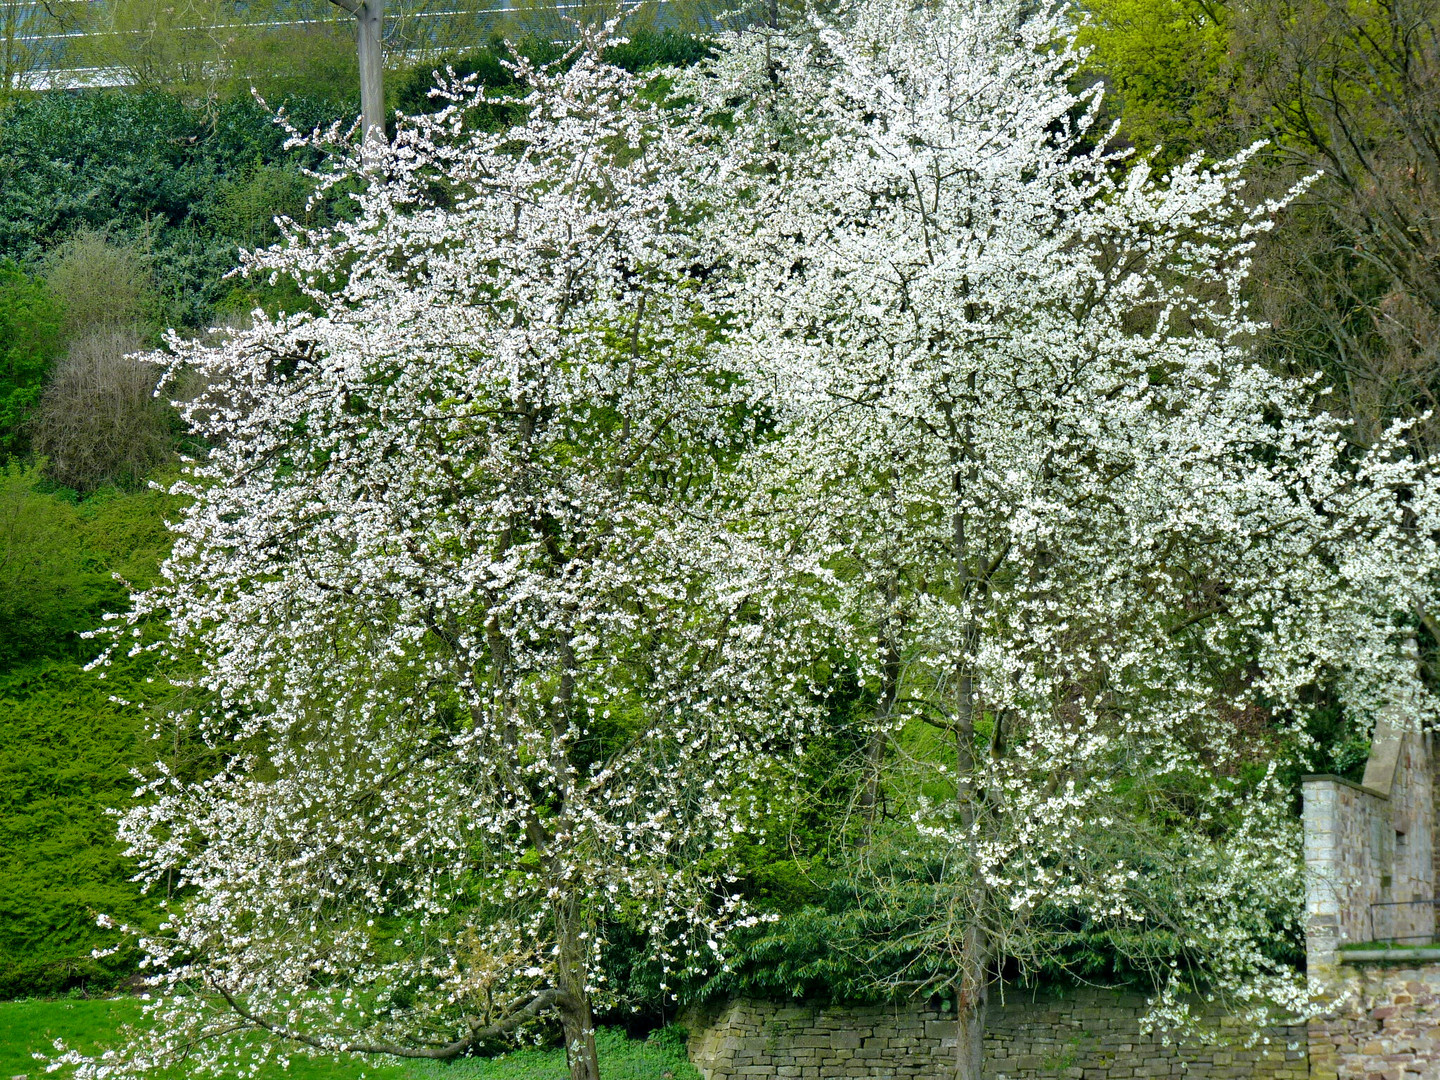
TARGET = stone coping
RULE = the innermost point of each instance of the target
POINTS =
(1348, 783)
(1388, 956)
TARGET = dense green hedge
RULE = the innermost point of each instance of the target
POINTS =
(642, 51)
(65, 757)
(177, 181)
(29, 343)
(66, 744)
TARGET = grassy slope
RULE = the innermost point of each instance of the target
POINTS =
(30, 1026)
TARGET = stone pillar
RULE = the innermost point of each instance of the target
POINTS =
(1323, 873)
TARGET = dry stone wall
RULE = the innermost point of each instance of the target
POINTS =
(1086, 1035)
(1096, 1035)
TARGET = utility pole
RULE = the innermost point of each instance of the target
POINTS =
(370, 21)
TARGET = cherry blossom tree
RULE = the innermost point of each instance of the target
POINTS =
(1090, 557)
(484, 673)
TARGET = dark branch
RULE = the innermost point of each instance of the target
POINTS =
(533, 1008)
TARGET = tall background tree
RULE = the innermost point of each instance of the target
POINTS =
(1343, 89)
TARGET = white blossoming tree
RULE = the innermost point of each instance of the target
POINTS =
(1090, 557)
(470, 648)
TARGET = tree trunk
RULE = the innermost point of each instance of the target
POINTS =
(370, 19)
(975, 952)
(576, 1017)
(579, 1025)
(889, 691)
(970, 1029)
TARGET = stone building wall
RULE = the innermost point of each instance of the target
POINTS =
(1085, 1035)
(1400, 767)
(1368, 853)
(1345, 848)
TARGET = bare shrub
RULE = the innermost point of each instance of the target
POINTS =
(102, 284)
(98, 420)
(1351, 280)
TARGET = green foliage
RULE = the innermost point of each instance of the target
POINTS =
(65, 755)
(659, 1057)
(807, 952)
(1165, 66)
(871, 920)
(850, 915)
(249, 203)
(29, 341)
(649, 49)
(28, 1027)
(43, 595)
(66, 743)
(216, 50)
(104, 284)
(148, 171)
(315, 60)
(58, 562)
(644, 50)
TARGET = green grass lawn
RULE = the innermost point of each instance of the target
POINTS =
(30, 1026)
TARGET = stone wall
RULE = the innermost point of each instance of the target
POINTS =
(1085, 1035)
(1382, 1024)
(1096, 1035)
(757, 1039)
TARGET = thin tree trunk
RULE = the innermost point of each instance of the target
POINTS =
(576, 1016)
(889, 691)
(974, 957)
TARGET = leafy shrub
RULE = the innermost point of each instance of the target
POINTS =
(29, 340)
(248, 205)
(42, 591)
(65, 754)
(645, 49)
(98, 420)
(58, 558)
(66, 742)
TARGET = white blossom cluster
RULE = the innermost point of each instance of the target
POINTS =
(497, 589)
